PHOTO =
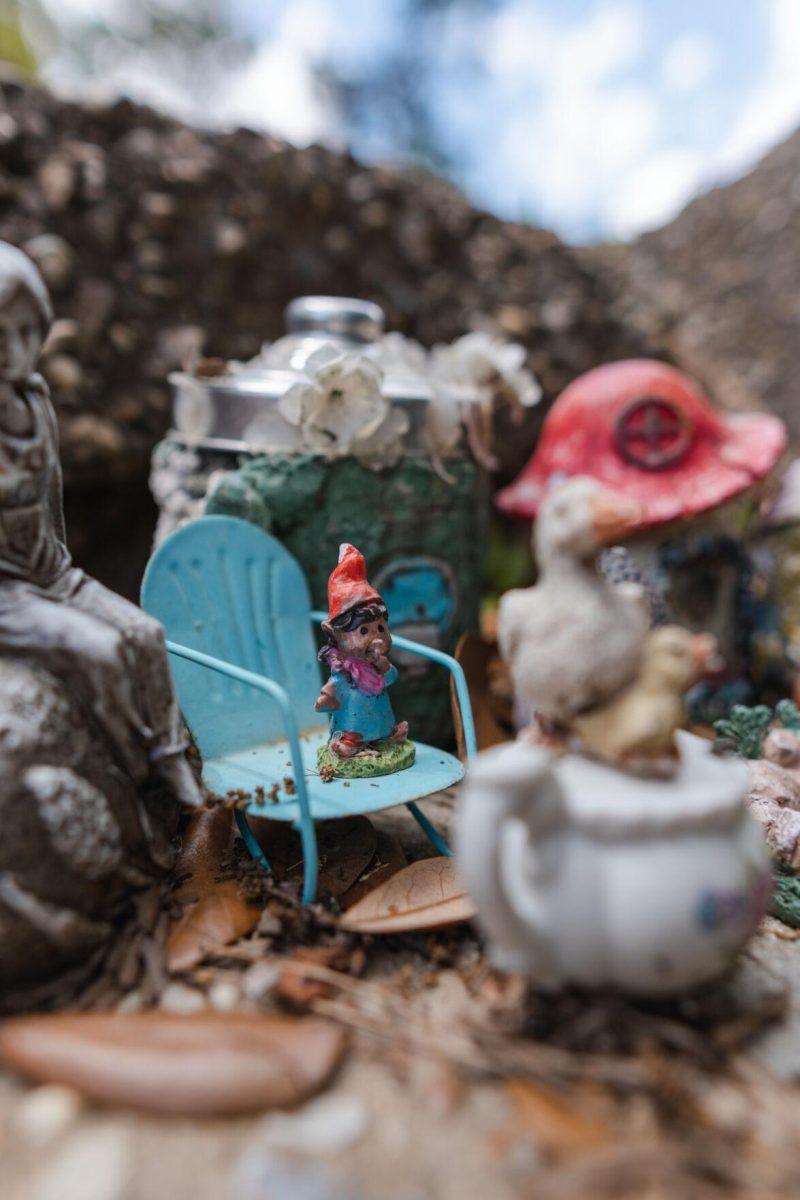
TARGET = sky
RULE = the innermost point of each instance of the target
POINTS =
(597, 118)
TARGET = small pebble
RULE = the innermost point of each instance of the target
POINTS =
(324, 1127)
(93, 1164)
(224, 996)
(62, 371)
(178, 998)
(45, 1114)
(260, 980)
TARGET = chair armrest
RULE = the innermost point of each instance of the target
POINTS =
(263, 684)
(455, 669)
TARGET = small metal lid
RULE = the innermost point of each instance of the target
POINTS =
(357, 321)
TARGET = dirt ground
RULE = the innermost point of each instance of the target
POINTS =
(459, 1084)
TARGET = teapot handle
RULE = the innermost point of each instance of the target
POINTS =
(510, 797)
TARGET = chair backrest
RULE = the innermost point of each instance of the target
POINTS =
(224, 587)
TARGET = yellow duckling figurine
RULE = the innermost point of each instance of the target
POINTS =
(635, 729)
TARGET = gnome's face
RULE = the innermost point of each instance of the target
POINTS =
(370, 640)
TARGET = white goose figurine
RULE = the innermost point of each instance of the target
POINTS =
(574, 640)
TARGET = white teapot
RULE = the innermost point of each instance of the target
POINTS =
(583, 874)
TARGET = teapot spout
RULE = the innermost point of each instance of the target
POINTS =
(511, 803)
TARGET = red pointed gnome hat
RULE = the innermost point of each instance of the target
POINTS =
(348, 584)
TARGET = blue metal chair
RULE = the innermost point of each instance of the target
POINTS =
(237, 614)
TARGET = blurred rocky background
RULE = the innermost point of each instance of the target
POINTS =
(159, 242)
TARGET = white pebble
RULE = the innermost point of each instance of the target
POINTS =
(224, 996)
(45, 1113)
(260, 980)
(177, 998)
(93, 1164)
(323, 1127)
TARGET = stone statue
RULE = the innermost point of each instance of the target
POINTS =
(90, 730)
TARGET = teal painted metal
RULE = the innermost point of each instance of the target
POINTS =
(235, 604)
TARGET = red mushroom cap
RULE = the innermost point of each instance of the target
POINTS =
(645, 430)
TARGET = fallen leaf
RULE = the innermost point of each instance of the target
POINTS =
(199, 1065)
(557, 1126)
(427, 894)
(345, 848)
(300, 990)
(205, 840)
(219, 914)
(388, 859)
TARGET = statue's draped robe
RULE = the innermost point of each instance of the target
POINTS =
(108, 653)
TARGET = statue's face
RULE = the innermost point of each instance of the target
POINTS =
(20, 339)
(370, 640)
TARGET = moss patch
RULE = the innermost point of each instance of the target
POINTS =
(391, 757)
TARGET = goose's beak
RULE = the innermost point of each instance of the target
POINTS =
(613, 516)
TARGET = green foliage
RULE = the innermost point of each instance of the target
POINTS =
(788, 714)
(743, 731)
(785, 902)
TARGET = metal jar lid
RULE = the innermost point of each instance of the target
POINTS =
(216, 412)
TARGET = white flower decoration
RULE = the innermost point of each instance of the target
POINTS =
(339, 407)
(384, 447)
(486, 364)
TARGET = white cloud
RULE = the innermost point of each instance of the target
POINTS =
(772, 109)
(688, 62)
(576, 124)
(277, 91)
(653, 191)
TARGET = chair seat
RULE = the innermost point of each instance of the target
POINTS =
(268, 764)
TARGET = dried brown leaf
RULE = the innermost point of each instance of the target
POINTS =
(219, 917)
(205, 840)
(300, 990)
(199, 1065)
(219, 913)
(388, 859)
(557, 1126)
(345, 848)
(427, 894)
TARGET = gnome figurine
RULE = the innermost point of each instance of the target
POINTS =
(365, 739)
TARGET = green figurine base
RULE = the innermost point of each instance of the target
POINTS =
(392, 757)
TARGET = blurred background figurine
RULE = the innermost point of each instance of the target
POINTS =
(88, 717)
(647, 431)
(573, 639)
(365, 738)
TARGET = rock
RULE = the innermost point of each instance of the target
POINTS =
(54, 258)
(329, 1125)
(178, 998)
(44, 1114)
(261, 979)
(62, 372)
(94, 1164)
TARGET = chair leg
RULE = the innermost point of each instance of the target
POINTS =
(249, 839)
(437, 839)
(308, 840)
